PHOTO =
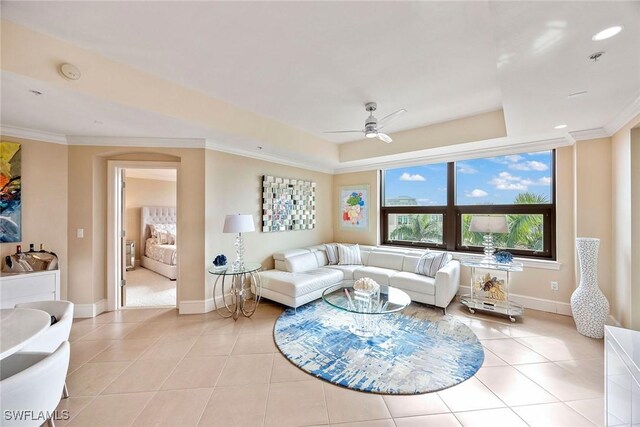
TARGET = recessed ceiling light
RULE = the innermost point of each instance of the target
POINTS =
(560, 127)
(35, 92)
(607, 33)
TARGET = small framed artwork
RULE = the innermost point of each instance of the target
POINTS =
(354, 207)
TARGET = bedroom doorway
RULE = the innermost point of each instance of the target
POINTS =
(143, 230)
(150, 237)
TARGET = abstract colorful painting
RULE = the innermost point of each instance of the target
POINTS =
(354, 207)
(10, 198)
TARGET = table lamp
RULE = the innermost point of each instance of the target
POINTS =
(489, 224)
(240, 223)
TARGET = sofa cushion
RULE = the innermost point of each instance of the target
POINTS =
(283, 255)
(349, 255)
(380, 275)
(347, 270)
(410, 262)
(302, 262)
(386, 259)
(296, 284)
(431, 262)
(332, 253)
(413, 282)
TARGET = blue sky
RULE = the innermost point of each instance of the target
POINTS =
(496, 180)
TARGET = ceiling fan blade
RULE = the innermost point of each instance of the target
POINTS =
(343, 131)
(391, 117)
(384, 137)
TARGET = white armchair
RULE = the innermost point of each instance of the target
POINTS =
(30, 386)
(56, 333)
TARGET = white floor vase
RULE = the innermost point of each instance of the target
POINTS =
(589, 306)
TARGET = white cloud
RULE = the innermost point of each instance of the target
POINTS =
(506, 181)
(477, 193)
(529, 166)
(465, 168)
(415, 177)
(513, 158)
(545, 180)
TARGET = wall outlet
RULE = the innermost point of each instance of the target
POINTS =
(554, 286)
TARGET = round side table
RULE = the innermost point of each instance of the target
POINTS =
(240, 290)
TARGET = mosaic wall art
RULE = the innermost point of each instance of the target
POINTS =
(288, 204)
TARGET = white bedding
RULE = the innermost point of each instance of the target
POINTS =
(166, 254)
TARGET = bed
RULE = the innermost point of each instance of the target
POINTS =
(158, 251)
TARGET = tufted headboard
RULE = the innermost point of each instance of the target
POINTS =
(154, 215)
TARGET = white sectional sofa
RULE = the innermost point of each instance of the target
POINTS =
(300, 275)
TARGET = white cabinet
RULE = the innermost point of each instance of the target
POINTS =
(27, 287)
(622, 377)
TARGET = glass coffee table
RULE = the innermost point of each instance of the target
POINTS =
(365, 312)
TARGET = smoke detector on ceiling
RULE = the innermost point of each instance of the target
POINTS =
(69, 71)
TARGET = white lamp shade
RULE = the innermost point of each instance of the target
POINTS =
(239, 223)
(489, 224)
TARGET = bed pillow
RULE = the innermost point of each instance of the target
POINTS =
(163, 237)
(349, 255)
(431, 262)
(332, 253)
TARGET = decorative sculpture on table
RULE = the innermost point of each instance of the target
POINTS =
(589, 306)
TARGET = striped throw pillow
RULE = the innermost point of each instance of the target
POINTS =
(349, 255)
(332, 253)
(431, 262)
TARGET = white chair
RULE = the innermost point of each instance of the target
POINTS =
(30, 386)
(56, 333)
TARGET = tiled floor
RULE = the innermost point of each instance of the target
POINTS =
(145, 367)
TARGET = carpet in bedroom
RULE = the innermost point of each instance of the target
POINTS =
(146, 288)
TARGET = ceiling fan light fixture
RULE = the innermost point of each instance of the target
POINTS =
(371, 134)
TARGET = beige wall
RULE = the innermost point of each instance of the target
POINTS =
(44, 201)
(234, 185)
(625, 186)
(372, 236)
(145, 192)
(593, 203)
(88, 210)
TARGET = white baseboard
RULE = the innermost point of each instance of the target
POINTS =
(89, 310)
(199, 306)
(533, 303)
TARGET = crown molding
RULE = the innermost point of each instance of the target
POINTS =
(36, 135)
(467, 151)
(214, 146)
(582, 135)
(111, 141)
(625, 116)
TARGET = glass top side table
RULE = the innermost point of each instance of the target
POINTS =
(238, 289)
(489, 289)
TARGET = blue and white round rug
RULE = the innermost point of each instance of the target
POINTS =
(418, 350)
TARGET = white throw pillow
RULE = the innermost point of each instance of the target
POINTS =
(332, 253)
(431, 262)
(349, 255)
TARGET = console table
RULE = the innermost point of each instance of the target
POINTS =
(239, 290)
(491, 295)
(17, 288)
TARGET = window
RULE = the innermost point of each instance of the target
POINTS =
(432, 205)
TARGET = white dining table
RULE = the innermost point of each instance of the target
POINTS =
(20, 326)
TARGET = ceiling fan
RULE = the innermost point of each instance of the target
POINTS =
(373, 126)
